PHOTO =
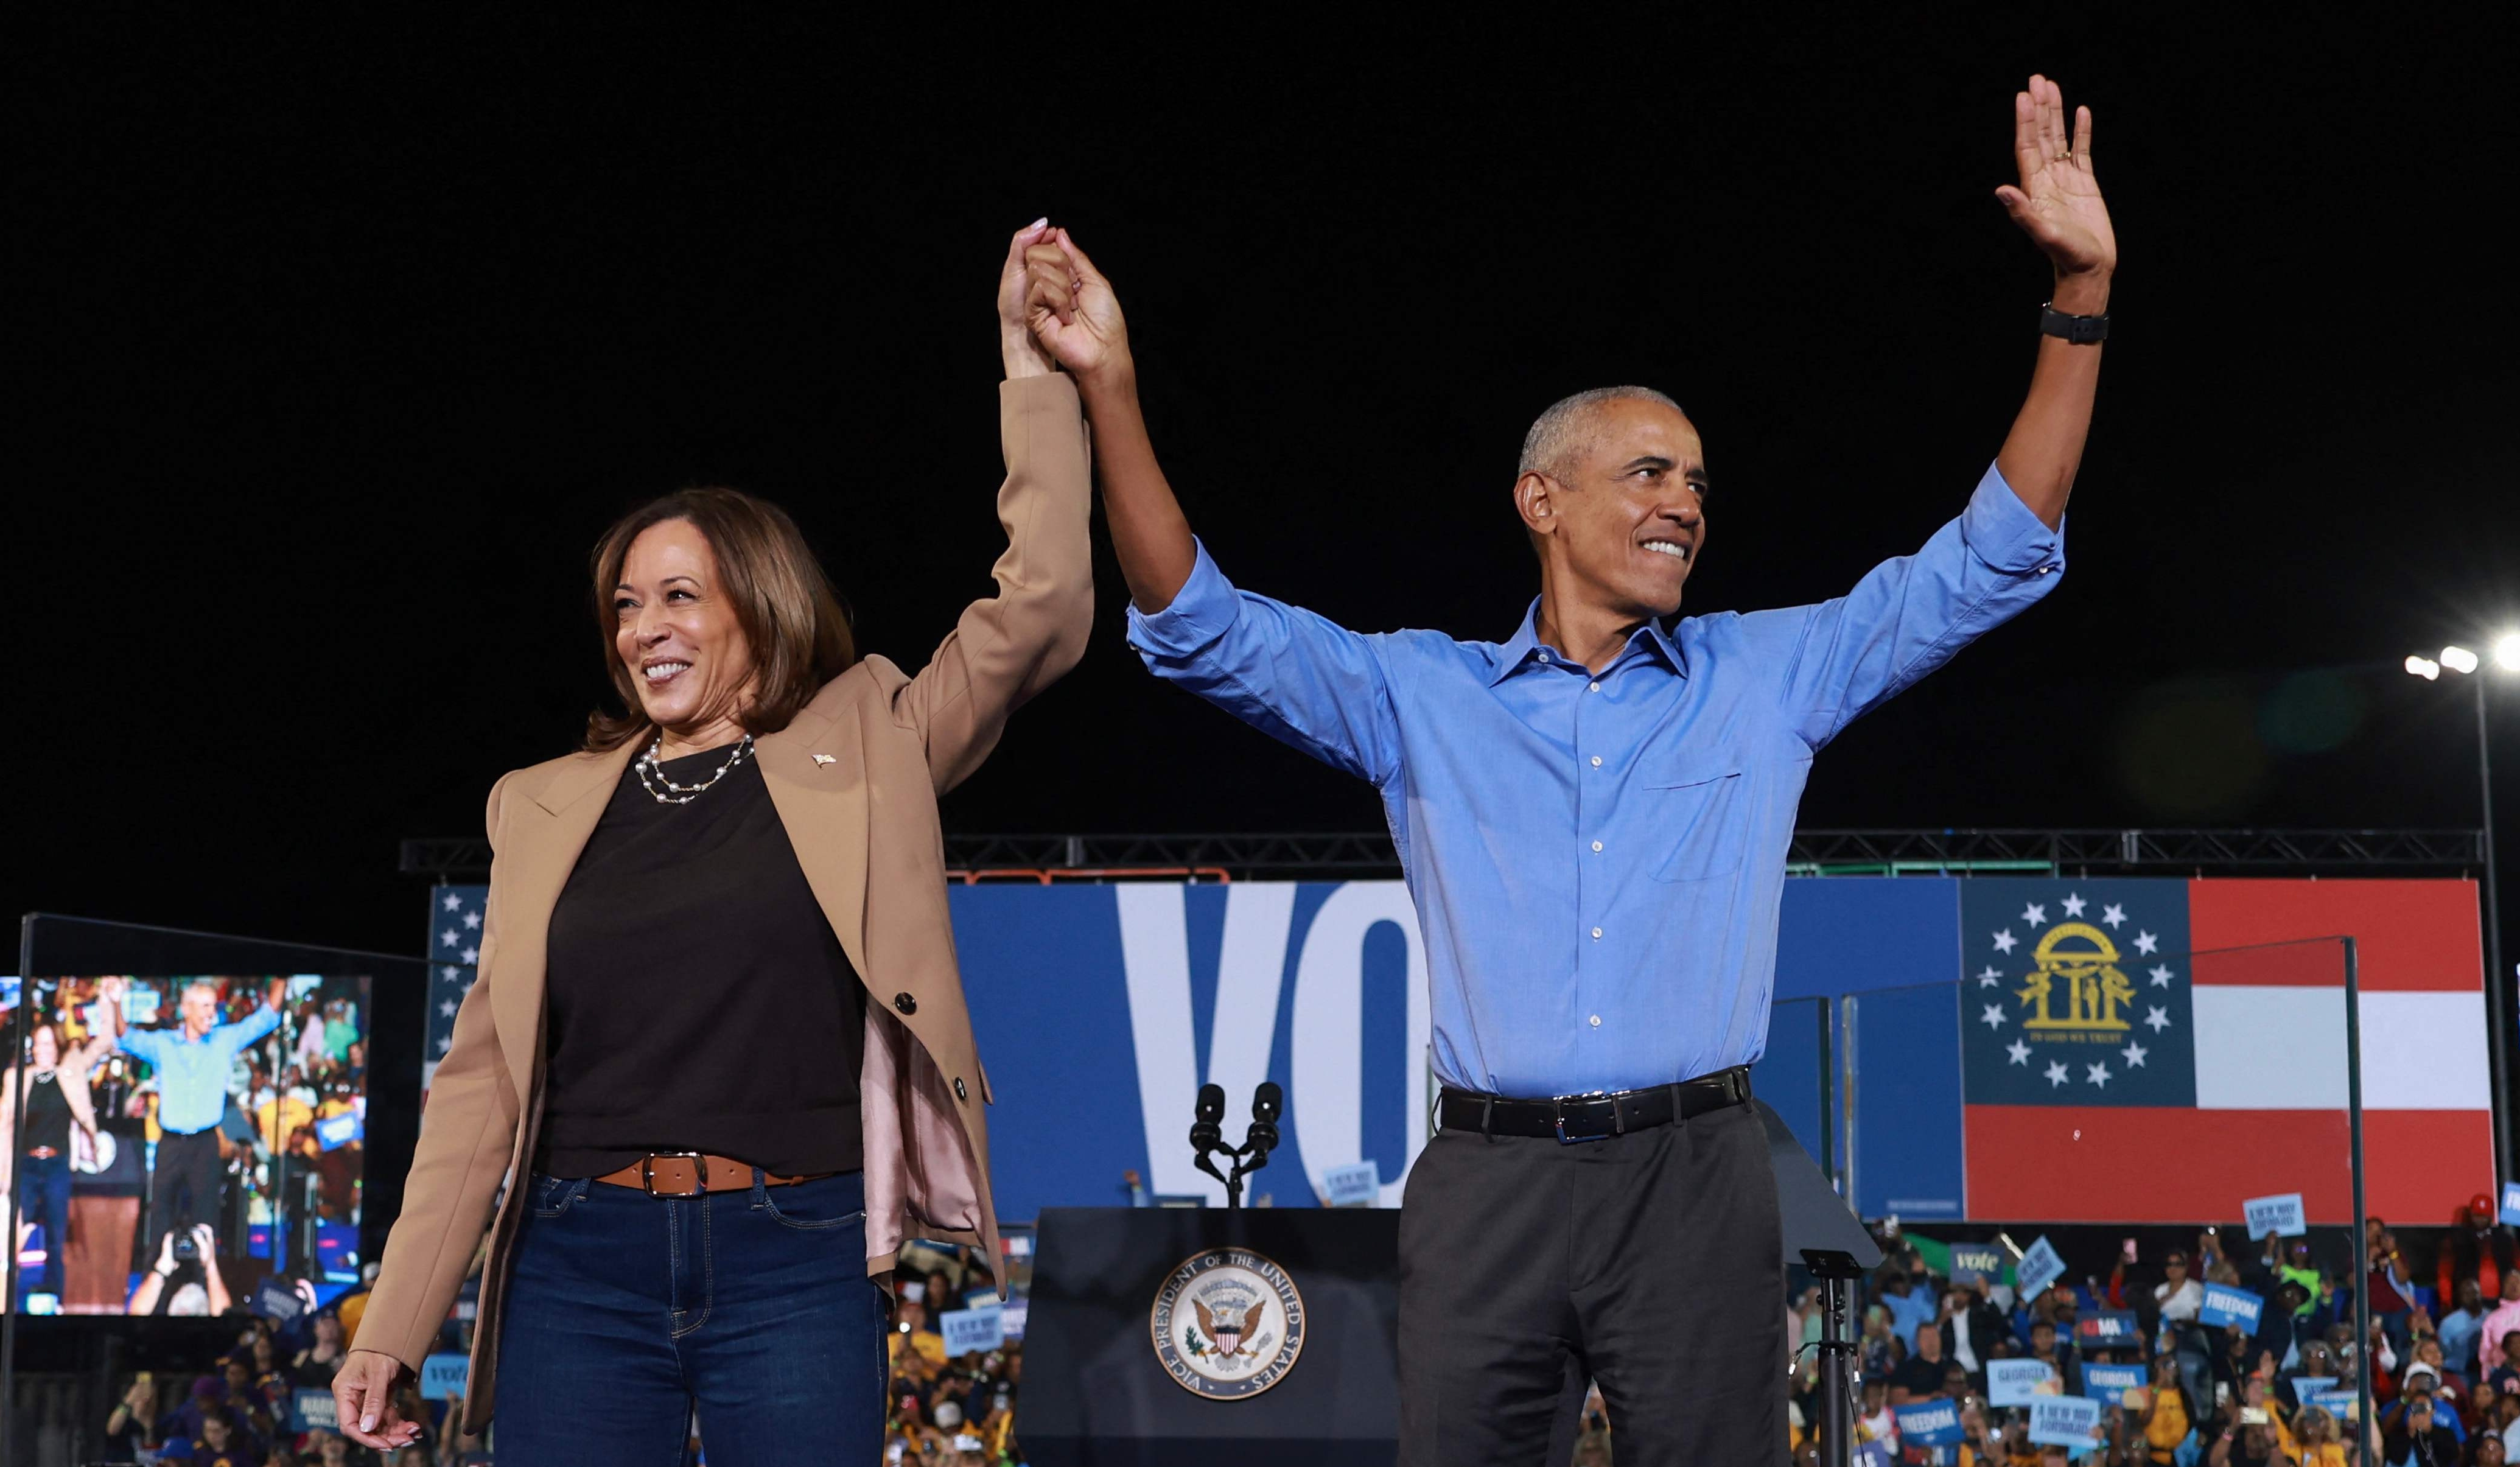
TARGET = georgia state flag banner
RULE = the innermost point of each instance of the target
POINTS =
(2076, 993)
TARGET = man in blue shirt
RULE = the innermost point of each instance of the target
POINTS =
(191, 1063)
(1593, 819)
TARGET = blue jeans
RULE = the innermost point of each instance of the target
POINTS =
(628, 1313)
(44, 1196)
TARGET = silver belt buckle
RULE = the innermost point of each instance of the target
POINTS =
(700, 1172)
(1557, 1108)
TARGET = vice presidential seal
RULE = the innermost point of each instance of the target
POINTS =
(1227, 1323)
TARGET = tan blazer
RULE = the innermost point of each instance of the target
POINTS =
(855, 781)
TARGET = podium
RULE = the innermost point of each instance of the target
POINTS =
(1099, 1394)
(1096, 1394)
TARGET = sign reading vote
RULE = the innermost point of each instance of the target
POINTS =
(2064, 1421)
(971, 1331)
(2040, 1266)
(1975, 1261)
(1931, 1423)
(2280, 1216)
(2016, 1382)
(2110, 1383)
(2511, 1203)
(2224, 1305)
(441, 1376)
(1359, 1185)
(2107, 1327)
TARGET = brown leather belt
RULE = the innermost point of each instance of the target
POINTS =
(689, 1173)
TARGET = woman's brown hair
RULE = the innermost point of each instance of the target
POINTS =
(790, 614)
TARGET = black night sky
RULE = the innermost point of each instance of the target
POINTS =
(340, 341)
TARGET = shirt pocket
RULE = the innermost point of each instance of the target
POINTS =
(1693, 804)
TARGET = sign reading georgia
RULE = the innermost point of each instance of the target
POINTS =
(1228, 1325)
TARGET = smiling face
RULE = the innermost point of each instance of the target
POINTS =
(1620, 516)
(677, 633)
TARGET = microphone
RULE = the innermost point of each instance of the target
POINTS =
(1207, 1130)
(1268, 1103)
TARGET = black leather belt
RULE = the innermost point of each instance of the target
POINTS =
(1593, 1118)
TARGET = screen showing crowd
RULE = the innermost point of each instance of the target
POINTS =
(177, 1145)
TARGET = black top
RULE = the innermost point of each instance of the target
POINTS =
(697, 1000)
(47, 1116)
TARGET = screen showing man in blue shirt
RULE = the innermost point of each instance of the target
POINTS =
(1592, 818)
(191, 1063)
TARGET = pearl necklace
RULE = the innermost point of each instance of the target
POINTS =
(653, 778)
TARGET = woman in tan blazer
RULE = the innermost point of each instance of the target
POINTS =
(718, 1039)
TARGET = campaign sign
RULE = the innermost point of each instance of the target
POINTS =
(310, 1409)
(2064, 1421)
(2280, 1216)
(1012, 1315)
(442, 1376)
(2304, 1386)
(1929, 1423)
(2224, 1305)
(1359, 1185)
(1872, 1455)
(1976, 1261)
(2016, 1382)
(970, 1331)
(2344, 1405)
(2106, 1328)
(2110, 1383)
(2039, 1268)
(337, 1131)
(274, 1301)
(2511, 1203)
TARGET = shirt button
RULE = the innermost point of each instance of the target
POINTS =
(1597, 845)
(1543, 657)
(1592, 688)
(1597, 934)
(1597, 761)
(1597, 1021)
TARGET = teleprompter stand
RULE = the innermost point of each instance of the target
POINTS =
(1824, 1236)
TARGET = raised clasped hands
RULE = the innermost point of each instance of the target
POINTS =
(2057, 203)
(1071, 310)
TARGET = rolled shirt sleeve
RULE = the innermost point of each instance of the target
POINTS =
(1297, 677)
(1909, 615)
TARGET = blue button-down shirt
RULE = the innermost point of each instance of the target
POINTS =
(193, 1074)
(1598, 857)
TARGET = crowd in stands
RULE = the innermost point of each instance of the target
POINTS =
(2443, 1357)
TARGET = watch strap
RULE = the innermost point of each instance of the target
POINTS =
(2082, 331)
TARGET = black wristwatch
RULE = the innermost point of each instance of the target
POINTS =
(2082, 331)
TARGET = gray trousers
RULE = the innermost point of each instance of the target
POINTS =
(1649, 1262)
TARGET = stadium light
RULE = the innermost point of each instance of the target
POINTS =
(2505, 654)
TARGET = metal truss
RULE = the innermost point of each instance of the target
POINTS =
(2335, 852)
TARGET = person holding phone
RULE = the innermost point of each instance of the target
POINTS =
(718, 1034)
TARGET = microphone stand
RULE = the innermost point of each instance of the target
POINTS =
(1836, 1272)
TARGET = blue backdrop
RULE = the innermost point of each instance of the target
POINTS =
(1102, 1009)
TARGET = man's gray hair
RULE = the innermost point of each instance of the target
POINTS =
(1565, 429)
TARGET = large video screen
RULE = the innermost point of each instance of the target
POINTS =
(186, 1143)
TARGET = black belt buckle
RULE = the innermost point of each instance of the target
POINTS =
(1603, 1124)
